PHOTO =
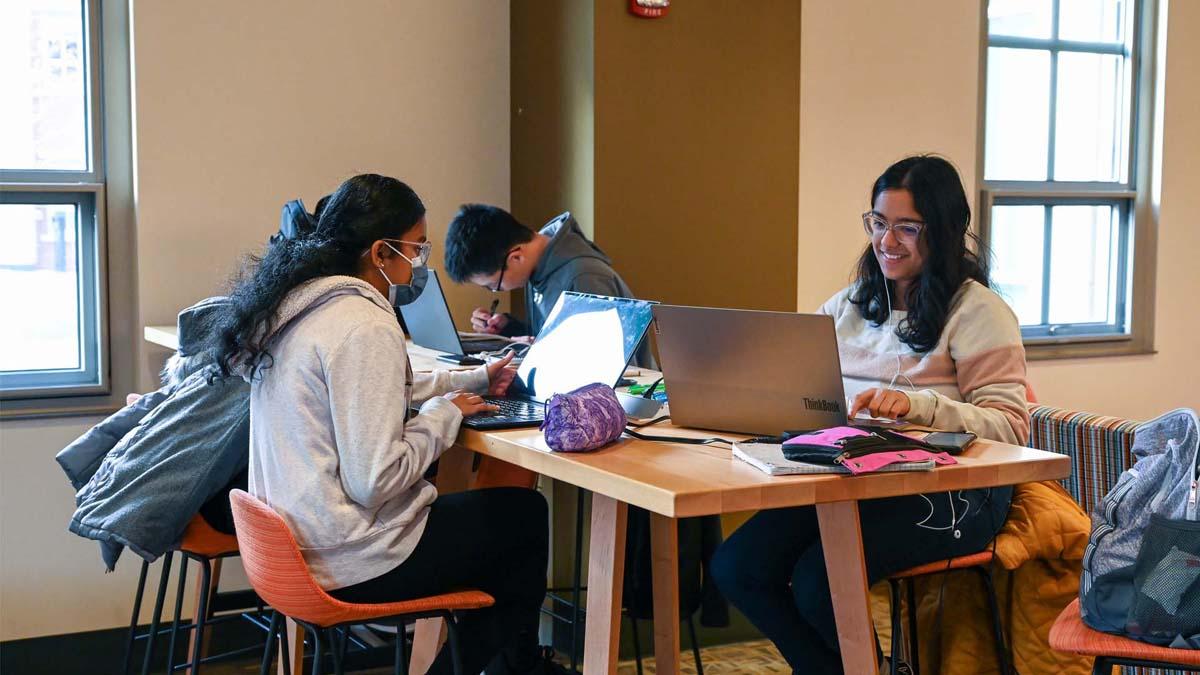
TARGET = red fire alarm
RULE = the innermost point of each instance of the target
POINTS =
(649, 9)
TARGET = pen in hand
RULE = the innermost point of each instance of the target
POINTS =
(495, 304)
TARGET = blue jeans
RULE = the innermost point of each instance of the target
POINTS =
(773, 567)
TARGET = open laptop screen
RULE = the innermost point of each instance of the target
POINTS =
(428, 319)
(586, 339)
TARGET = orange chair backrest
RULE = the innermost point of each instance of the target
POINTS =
(275, 566)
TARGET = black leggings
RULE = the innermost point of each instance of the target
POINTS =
(493, 540)
(773, 567)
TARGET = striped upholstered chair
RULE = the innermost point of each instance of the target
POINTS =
(1100, 449)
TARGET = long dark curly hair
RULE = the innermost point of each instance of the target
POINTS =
(938, 195)
(362, 210)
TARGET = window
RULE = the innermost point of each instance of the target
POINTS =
(1065, 139)
(52, 196)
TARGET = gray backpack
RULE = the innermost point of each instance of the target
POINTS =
(1141, 569)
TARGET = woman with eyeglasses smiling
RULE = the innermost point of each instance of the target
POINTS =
(334, 449)
(922, 338)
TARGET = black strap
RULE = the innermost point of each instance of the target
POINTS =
(639, 425)
(676, 439)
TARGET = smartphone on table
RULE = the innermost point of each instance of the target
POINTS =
(950, 441)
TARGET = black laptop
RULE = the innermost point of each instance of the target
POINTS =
(586, 339)
(431, 325)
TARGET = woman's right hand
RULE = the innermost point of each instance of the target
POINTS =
(470, 404)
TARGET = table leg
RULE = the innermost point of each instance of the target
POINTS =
(664, 539)
(606, 576)
(428, 636)
(841, 538)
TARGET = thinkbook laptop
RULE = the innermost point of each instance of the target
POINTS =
(749, 371)
(586, 339)
(431, 325)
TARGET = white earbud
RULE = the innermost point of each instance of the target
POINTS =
(896, 352)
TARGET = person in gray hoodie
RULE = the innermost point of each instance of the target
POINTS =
(333, 447)
(488, 247)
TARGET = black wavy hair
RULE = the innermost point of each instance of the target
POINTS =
(939, 198)
(362, 210)
(479, 239)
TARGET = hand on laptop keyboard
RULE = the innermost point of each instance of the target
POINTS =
(513, 409)
(470, 404)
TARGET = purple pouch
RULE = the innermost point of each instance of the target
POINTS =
(585, 419)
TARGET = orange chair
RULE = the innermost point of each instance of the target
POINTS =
(203, 544)
(277, 571)
(980, 563)
(1069, 634)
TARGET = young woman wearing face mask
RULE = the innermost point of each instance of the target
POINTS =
(923, 339)
(333, 447)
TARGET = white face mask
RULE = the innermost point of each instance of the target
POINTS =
(403, 294)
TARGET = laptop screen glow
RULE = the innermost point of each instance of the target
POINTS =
(586, 339)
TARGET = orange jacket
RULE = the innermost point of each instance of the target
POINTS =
(1038, 561)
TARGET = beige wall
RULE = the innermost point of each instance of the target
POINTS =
(240, 107)
(875, 90)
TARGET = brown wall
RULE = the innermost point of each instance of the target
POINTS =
(674, 141)
(553, 127)
(697, 139)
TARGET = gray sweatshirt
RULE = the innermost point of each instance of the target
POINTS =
(331, 449)
(570, 263)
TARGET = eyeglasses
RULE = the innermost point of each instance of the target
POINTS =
(906, 231)
(500, 279)
(424, 249)
(503, 268)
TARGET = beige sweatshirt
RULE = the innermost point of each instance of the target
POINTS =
(972, 380)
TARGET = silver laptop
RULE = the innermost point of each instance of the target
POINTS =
(431, 325)
(749, 371)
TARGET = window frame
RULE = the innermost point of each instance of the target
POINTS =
(85, 189)
(90, 377)
(106, 186)
(1136, 259)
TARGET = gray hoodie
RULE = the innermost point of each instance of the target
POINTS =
(332, 448)
(570, 263)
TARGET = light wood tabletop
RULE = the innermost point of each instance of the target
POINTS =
(163, 336)
(680, 480)
(675, 480)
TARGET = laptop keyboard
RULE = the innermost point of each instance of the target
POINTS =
(513, 409)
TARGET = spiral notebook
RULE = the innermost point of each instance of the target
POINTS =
(768, 458)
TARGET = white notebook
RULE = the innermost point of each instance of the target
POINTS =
(768, 458)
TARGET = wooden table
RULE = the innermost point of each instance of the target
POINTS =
(677, 480)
